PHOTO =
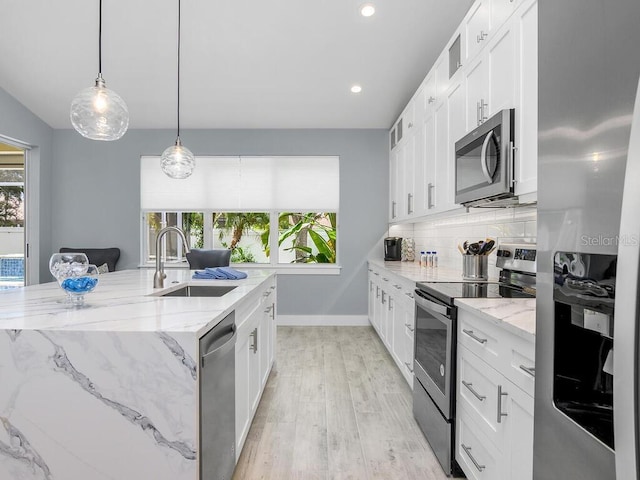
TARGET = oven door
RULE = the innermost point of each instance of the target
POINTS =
(484, 160)
(434, 362)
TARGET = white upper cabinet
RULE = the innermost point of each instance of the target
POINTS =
(525, 23)
(492, 77)
(501, 10)
(477, 25)
(489, 64)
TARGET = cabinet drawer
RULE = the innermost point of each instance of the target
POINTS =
(477, 393)
(521, 363)
(475, 453)
(480, 337)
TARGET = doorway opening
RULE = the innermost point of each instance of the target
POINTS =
(12, 217)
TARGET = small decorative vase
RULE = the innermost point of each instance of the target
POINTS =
(75, 275)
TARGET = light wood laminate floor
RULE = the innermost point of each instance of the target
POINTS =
(335, 407)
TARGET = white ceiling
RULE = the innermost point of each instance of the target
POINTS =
(245, 63)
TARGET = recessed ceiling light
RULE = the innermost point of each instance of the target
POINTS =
(356, 89)
(367, 10)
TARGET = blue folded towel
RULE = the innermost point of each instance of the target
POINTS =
(219, 273)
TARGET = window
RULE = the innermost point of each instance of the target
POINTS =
(267, 210)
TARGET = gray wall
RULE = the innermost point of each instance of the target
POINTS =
(95, 199)
(18, 123)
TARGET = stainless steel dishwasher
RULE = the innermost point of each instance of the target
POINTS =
(217, 401)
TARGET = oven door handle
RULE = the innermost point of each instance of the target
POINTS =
(483, 158)
(431, 306)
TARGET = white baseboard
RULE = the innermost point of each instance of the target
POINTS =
(324, 320)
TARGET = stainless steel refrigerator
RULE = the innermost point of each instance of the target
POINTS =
(586, 405)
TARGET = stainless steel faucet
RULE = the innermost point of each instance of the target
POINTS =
(158, 278)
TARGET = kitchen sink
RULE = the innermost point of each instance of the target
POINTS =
(199, 291)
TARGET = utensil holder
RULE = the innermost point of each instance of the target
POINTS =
(475, 267)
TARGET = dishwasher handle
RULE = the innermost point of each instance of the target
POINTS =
(220, 350)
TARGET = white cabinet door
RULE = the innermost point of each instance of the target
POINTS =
(477, 25)
(476, 81)
(414, 178)
(397, 325)
(264, 343)
(395, 161)
(255, 383)
(526, 20)
(429, 166)
(456, 129)
(518, 424)
(443, 168)
(243, 407)
(500, 11)
(503, 72)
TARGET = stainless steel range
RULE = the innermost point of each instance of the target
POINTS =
(435, 342)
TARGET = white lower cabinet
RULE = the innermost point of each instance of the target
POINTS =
(255, 350)
(391, 313)
(494, 424)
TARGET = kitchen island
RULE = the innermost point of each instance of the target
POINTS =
(108, 390)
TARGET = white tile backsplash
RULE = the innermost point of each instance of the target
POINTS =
(445, 233)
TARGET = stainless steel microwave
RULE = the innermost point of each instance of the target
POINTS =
(484, 166)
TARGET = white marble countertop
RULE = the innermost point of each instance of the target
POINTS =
(124, 301)
(518, 315)
(415, 273)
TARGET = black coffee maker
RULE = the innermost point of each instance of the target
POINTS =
(392, 249)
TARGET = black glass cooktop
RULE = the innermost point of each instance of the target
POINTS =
(447, 291)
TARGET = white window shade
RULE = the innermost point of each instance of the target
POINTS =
(302, 183)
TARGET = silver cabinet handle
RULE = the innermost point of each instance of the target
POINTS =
(266, 294)
(385, 279)
(376, 273)
(512, 163)
(430, 196)
(383, 294)
(530, 370)
(268, 309)
(397, 286)
(254, 345)
(410, 124)
(409, 327)
(393, 209)
(273, 311)
(272, 287)
(467, 450)
(472, 390)
(478, 113)
(390, 302)
(483, 105)
(377, 291)
(410, 295)
(481, 37)
(500, 395)
(409, 366)
(458, 64)
(431, 99)
(409, 203)
(475, 337)
(371, 270)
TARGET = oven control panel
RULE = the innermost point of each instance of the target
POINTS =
(517, 256)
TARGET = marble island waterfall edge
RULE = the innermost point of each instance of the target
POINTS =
(112, 405)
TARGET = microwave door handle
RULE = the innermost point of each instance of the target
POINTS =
(483, 157)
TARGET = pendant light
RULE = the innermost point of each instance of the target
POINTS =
(98, 113)
(177, 161)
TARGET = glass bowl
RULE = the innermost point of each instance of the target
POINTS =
(75, 275)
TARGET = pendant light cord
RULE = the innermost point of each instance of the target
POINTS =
(100, 41)
(179, 22)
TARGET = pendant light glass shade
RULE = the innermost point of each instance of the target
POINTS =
(98, 113)
(177, 161)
